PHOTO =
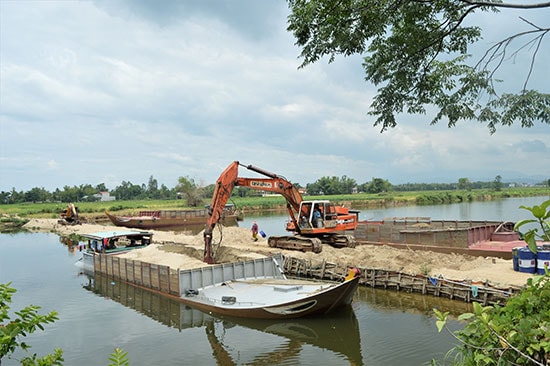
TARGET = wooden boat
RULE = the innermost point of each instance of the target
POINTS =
(159, 219)
(111, 243)
(260, 290)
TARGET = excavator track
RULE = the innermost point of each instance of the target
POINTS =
(340, 241)
(296, 242)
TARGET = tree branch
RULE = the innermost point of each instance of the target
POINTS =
(507, 5)
(498, 51)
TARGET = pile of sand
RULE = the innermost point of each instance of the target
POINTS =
(185, 251)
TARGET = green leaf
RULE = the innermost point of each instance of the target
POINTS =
(538, 211)
(440, 324)
(119, 357)
(523, 222)
(465, 316)
(531, 241)
(477, 308)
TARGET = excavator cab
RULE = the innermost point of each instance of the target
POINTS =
(324, 221)
(315, 215)
(305, 216)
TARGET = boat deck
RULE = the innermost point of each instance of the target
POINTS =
(501, 249)
(253, 293)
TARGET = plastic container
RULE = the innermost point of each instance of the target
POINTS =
(527, 260)
(262, 234)
(543, 258)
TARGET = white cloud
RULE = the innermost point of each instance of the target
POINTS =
(105, 91)
(52, 165)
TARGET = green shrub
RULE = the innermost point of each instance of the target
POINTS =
(515, 334)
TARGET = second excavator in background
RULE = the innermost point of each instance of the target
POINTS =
(311, 222)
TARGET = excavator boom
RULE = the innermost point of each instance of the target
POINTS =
(222, 192)
(274, 183)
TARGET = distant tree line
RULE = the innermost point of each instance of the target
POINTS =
(195, 193)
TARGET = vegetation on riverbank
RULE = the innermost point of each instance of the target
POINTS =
(14, 212)
(11, 223)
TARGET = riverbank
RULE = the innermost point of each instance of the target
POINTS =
(275, 203)
(184, 251)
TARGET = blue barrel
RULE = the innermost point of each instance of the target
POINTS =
(527, 260)
(515, 258)
(262, 234)
(543, 258)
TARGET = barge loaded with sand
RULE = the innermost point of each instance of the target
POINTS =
(477, 238)
(162, 219)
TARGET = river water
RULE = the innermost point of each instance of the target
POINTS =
(499, 210)
(98, 314)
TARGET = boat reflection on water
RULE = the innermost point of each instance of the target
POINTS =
(337, 333)
(415, 303)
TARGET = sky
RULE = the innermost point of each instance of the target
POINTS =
(109, 91)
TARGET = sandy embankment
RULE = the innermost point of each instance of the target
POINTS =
(183, 251)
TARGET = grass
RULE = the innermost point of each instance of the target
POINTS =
(271, 203)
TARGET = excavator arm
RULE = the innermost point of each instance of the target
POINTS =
(222, 192)
(277, 184)
(224, 186)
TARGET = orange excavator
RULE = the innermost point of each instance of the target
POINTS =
(69, 216)
(311, 222)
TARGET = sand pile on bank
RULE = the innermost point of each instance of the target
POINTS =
(186, 251)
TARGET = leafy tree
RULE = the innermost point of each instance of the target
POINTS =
(127, 191)
(69, 194)
(16, 197)
(165, 193)
(37, 195)
(377, 185)
(101, 187)
(497, 183)
(331, 185)
(189, 189)
(417, 53)
(5, 197)
(152, 188)
(347, 185)
(464, 184)
(87, 190)
(13, 330)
